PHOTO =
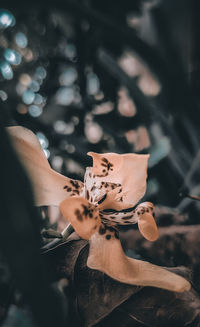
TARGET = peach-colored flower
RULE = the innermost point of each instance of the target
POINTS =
(107, 198)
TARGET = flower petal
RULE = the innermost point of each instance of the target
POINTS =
(50, 187)
(124, 217)
(126, 170)
(106, 254)
(146, 223)
(94, 189)
(83, 216)
(142, 214)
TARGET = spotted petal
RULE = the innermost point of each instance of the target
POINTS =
(83, 216)
(107, 255)
(142, 214)
(50, 187)
(146, 223)
(126, 172)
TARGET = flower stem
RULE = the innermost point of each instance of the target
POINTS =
(65, 234)
(67, 231)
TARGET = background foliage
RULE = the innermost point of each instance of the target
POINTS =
(108, 76)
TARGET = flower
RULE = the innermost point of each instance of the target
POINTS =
(107, 198)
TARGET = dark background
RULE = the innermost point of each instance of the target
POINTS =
(108, 76)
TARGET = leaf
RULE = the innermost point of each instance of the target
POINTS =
(95, 297)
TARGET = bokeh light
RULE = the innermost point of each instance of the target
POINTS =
(3, 95)
(21, 40)
(63, 128)
(41, 72)
(65, 96)
(12, 56)
(93, 132)
(38, 99)
(126, 106)
(70, 51)
(6, 19)
(34, 111)
(34, 86)
(68, 76)
(6, 70)
(93, 84)
(28, 97)
(25, 79)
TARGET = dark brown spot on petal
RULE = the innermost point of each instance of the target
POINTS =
(108, 236)
(103, 199)
(78, 215)
(108, 228)
(127, 217)
(102, 230)
(86, 210)
(74, 183)
(87, 195)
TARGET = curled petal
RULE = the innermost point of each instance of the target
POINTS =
(129, 216)
(125, 217)
(146, 222)
(127, 171)
(106, 255)
(83, 216)
(50, 187)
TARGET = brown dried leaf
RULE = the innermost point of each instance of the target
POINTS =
(96, 299)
